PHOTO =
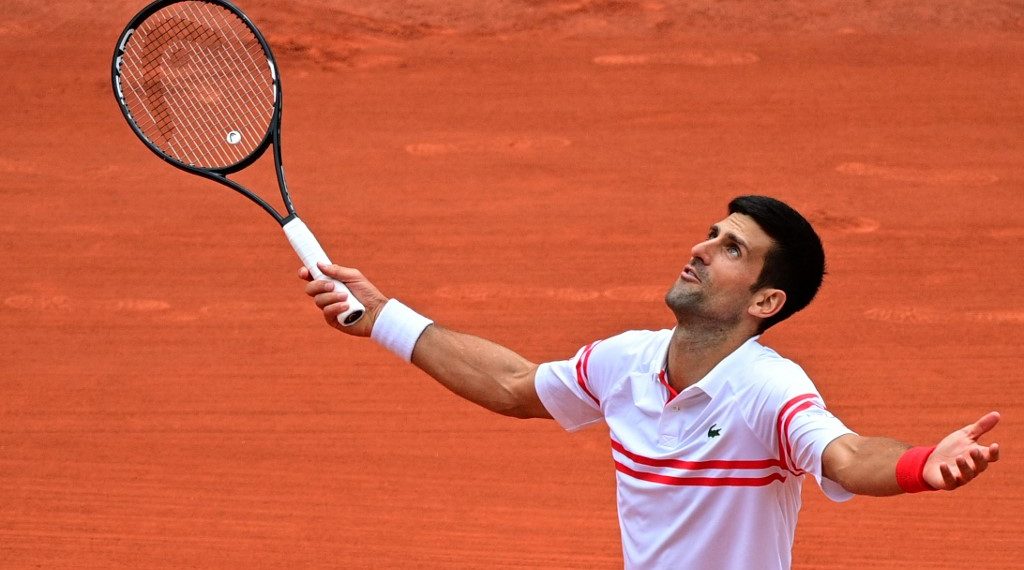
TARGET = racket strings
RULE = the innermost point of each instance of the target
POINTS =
(198, 84)
(207, 48)
(201, 43)
(163, 101)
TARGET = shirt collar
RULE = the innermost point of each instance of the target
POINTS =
(712, 382)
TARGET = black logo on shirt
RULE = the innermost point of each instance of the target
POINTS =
(713, 433)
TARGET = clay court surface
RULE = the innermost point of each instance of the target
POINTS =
(534, 172)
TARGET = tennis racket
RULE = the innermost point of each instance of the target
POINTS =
(198, 84)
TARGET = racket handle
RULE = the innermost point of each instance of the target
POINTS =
(311, 253)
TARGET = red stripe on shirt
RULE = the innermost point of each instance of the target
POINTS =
(582, 372)
(796, 468)
(783, 428)
(700, 481)
(697, 465)
(672, 392)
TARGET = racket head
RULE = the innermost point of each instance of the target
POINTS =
(198, 84)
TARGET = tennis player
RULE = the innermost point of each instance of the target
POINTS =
(712, 433)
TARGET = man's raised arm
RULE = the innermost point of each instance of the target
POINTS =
(476, 369)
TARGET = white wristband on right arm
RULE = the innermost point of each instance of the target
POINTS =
(398, 327)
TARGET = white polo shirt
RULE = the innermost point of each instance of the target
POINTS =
(709, 478)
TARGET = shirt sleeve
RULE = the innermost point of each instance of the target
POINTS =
(574, 390)
(566, 393)
(792, 411)
(809, 430)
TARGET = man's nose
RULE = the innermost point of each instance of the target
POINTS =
(701, 251)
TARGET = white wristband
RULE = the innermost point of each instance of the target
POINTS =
(398, 327)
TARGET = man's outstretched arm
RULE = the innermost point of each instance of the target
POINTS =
(881, 466)
(476, 369)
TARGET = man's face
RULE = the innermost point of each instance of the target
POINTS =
(716, 284)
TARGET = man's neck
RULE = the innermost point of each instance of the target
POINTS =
(695, 351)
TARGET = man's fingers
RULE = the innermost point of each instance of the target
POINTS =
(338, 272)
(980, 463)
(966, 471)
(319, 286)
(323, 300)
(947, 477)
(332, 311)
(983, 455)
(983, 425)
(343, 274)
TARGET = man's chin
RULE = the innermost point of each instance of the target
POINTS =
(683, 302)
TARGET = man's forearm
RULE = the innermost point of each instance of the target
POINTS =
(864, 465)
(480, 371)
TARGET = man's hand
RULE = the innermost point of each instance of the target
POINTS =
(333, 304)
(959, 457)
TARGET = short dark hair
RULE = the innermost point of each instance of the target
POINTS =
(796, 261)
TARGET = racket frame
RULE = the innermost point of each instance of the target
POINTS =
(271, 137)
(299, 236)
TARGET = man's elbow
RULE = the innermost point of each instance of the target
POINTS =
(519, 397)
(526, 411)
(838, 459)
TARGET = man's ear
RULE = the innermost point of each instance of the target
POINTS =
(767, 302)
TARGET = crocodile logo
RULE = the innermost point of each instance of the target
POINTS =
(713, 433)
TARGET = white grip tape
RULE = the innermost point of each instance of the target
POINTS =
(311, 253)
(398, 327)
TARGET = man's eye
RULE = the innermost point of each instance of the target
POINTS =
(734, 250)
